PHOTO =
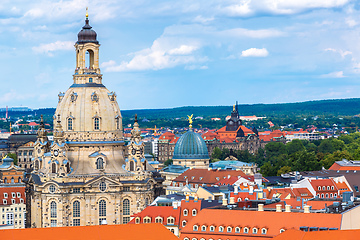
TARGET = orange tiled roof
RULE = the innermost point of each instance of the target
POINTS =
(336, 166)
(271, 221)
(294, 234)
(12, 191)
(101, 232)
(318, 205)
(205, 176)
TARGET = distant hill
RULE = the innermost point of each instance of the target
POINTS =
(337, 107)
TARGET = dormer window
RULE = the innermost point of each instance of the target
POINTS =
(194, 212)
(195, 228)
(185, 212)
(5, 195)
(100, 163)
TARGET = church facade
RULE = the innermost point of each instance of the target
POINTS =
(84, 176)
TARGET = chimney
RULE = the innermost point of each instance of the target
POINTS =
(224, 202)
(278, 208)
(236, 189)
(251, 189)
(306, 209)
(187, 198)
(175, 205)
(260, 207)
(287, 208)
(196, 198)
(232, 200)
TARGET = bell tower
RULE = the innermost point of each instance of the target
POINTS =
(87, 56)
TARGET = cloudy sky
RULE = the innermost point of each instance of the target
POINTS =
(158, 54)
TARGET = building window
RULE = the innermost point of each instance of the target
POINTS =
(102, 186)
(76, 222)
(76, 209)
(96, 123)
(332, 187)
(137, 220)
(319, 188)
(237, 229)
(53, 223)
(194, 212)
(158, 220)
(254, 230)
(203, 228)
(132, 166)
(327, 195)
(183, 223)
(328, 187)
(117, 121)
(170, 220)
(221, 229)
(90, 80)
(334, 195)
(282, 230)
(228, 229)
(126, 220)
(102, 211)
(195, 227)
(53, 209)
(147, 220)
(70, 124)
(323, 188)
(52, 188)
(12, 180)
(5, 195)
(100, 163)
(322, 195)
(246, 230)
(126, 207)
(185, 212)
(53, 167)
(263, 231)
(12, 201)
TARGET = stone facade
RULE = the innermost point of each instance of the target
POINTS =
(25, 154)
(82, 177)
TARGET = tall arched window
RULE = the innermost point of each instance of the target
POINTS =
(67, 166)
(102, 211)
(37, 164)
(132, 166)
(76, 213)
(117, 121)
(96, 123)
(12, 180)
(126, 207)
(53, 167)
(19, 180)
(53, 209)
(5, 180)
(89, 62)
(70, 124)
(99, 163)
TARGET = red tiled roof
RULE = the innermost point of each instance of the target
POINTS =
(158, 211)
(336, 166)
(294, 234)
(9, 191)
(205, 176)
(273, 222)
(100, 232)
(315, 183)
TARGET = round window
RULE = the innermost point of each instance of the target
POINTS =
(52, 188)
(94, 97)
(102, 186)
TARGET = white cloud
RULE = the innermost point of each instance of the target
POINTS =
(339, 74)
(161, 55)
(340, 51)
(203, 20)
(280, 7)
(55, 46)
(351, 22)
(255, 52)
(261, 33)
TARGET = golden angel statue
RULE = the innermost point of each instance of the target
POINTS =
(190, 120)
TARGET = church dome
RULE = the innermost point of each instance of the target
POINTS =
(86, 34)
(191, 146)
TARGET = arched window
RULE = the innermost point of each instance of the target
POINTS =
(194, 212)
(183, 223)
(170, 220)
(335, 195)
(228, 229)
(53, 167)
(282, 230)
(12, 180)
(328, 187)
(76, 209)
(195, 228)
(132, 166)
(239, 199)
(96, 123)
(319, 188)
(332, 187)
(237, 229)
(246, 230)
(147, 220)
(53, 209)
(327, 195)
(89, 62)
(322, 195)
(212, 228)
(203, 228)
(323, 188)
(76, 213)
(158, 220)
(102, 211)
(126, 207)
(137, 220)
(117, 121)
(70, 124)
(254, 230)
(185, 212)
(19, 180)
(5, 180)
(100, 163)
(221, 229)
(263, 231)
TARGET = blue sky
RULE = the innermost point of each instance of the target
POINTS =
(163, 54)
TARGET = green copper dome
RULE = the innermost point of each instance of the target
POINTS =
(191, 146)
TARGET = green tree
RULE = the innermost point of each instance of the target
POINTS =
(283, 170)
(275, 149)
(13, 156)
(294, 146)
(168, 162)
(326, 146)
(217, 153)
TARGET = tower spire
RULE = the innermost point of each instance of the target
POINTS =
(87, 13)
